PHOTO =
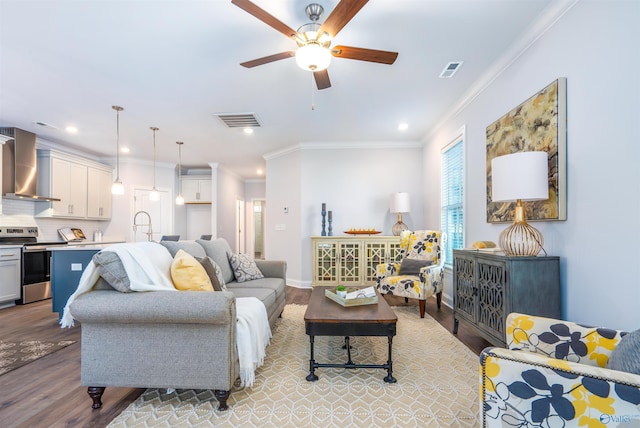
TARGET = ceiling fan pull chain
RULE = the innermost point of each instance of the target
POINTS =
(313, 105)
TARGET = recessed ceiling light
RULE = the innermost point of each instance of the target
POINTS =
(71, 129)
(403, 126)
(259, 172)
(248, 130)
(124, 150)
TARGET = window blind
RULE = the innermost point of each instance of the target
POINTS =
(452, 198)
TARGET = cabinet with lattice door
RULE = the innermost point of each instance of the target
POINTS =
(351, 260)
(487, 287)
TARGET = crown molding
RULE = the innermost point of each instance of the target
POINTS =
(545, 21)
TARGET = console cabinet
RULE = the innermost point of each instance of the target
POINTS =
(489, 286)
(351, 260)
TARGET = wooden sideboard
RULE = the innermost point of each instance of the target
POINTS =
(489, 286)
(351, 260)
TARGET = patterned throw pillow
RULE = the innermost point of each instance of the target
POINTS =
(624, 357)
(244, 268)
(188, 274)
(412, 266)
(111, 269)
(214, 272)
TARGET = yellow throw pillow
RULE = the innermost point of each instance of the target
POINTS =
(188, 274)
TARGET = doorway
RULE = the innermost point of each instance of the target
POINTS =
(240, 225)
(258, 228)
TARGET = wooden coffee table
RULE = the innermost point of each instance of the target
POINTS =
(324, 317)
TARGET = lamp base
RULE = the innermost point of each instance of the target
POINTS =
(399, 227)
(521, 239)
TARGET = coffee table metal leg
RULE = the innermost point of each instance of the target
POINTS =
(389, 378)
(312, 363)
(348, 347)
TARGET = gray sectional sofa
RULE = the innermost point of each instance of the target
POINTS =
(167, 339)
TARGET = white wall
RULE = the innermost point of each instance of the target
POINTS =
(595, 46)
(230, 187)
(354, 180)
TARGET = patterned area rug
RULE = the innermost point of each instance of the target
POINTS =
(17, 354)
(437, 384)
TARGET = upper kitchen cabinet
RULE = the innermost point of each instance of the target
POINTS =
(99, 195)
(196, 190)
(82, 186)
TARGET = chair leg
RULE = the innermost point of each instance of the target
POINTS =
(439, 299)
(422, 305)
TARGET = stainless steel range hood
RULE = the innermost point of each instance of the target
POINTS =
(20, 166)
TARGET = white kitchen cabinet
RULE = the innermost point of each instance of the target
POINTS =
(196, 190)
(9, 275)
(99, 193)
(82, 186)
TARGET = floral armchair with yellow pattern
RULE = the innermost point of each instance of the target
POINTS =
(563, 381)
(422, 255)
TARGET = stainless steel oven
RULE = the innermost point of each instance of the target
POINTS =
(35, 262)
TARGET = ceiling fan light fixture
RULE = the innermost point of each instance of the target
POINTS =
(313, 57)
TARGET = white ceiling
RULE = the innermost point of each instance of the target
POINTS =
(174, 63)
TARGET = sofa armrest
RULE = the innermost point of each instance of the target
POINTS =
(520, 386)
(159, 307)
(273, 268)
(560, 339)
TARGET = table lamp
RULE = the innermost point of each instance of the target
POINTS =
(520, 177)
(399, 204)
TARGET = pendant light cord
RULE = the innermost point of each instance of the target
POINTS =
(118, 109)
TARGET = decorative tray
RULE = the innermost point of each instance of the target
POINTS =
(362, 232)
(359, 301)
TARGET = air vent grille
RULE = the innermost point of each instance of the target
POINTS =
(239, 120)
(450, 69)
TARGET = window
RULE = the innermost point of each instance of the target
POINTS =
(452, 197)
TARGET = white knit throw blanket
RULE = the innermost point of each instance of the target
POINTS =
(253, 336)
(148, 266)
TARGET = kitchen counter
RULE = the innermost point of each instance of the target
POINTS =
(83, 245)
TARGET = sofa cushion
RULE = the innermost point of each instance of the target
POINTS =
(214, 272)
(244, 268)
(190, 247)
(413, 266)
(188, 274)
(110, 267)
(218, 250)
(624, 356)
(265, 295)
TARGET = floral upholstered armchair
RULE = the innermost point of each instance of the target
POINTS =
(563, 381)
(419, 274)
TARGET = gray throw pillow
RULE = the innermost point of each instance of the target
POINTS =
(190, 247)
(624, 357)
(110, 267)
(412, 266)
(219, 250)
(214, 272)
(244, 268)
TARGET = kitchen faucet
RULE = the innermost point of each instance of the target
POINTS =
(149, 230)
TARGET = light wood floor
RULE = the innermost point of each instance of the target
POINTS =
(47, 392)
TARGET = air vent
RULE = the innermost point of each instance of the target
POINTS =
(450, 69)
(239, 120)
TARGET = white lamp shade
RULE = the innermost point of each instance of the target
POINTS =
(117, 188)
(399, 203)
(523, 176)
(313, 57)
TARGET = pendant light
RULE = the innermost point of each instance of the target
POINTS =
(154, 195)
(117, 188)
(179, 198)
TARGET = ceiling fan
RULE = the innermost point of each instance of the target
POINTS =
(314, 39)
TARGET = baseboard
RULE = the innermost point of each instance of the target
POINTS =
(298, 284)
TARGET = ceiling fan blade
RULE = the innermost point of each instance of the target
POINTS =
(265, 17)
(341, 15)
(322, 79)
(268, 59)
(361, 54)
